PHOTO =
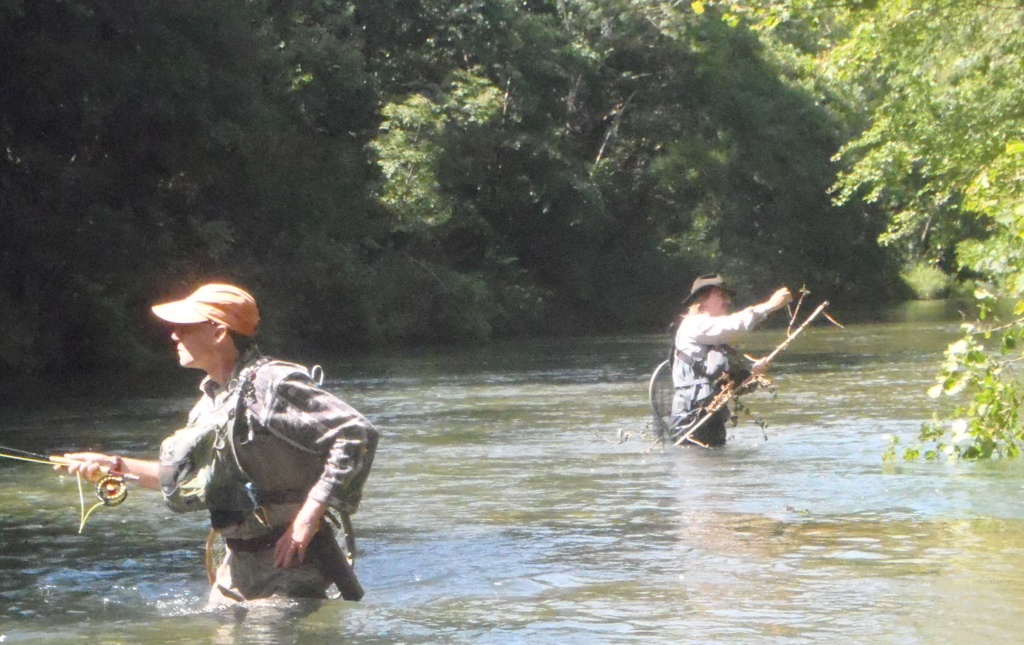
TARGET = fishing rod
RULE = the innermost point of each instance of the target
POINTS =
(111, 489)
(729, 393)
(51, 460)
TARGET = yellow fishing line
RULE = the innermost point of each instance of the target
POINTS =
(84, 514)
(85, 517)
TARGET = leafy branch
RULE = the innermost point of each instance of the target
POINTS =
(979, 372)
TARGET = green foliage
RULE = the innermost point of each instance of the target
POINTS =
(412, 141)
(420, 171)
(158, 145)
(997, 194)
(927, 281)
(407, 152)
(980, 374)
(944, 85)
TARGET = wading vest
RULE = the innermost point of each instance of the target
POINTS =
(695, 376)
(228, 459)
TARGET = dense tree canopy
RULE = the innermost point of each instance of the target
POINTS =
(939, 85)
(422, 171)
(152, 145)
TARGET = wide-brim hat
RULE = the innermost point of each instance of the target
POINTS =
(704, 283)
(221, 303)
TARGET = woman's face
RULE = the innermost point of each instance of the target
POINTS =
(716, 303)
(196, 344)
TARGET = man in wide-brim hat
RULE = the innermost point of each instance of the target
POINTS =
(703, 355)
(705, 283)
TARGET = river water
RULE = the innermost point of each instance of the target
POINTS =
(517, 498)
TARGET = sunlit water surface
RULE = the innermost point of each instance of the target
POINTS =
(517, 497)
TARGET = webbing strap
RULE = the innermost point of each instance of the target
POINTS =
(692, 382)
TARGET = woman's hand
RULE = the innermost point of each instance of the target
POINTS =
(290, 549)
(91, 465)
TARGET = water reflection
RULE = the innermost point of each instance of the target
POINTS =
(503, 508)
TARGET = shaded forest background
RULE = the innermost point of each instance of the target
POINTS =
(408, 172)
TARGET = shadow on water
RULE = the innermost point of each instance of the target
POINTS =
(518, 498)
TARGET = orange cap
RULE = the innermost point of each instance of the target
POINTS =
(222, 303)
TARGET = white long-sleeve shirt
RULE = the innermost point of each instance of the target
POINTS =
(699, 332)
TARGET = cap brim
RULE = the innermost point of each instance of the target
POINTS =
(180, 313)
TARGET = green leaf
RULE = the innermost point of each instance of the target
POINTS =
(1015, 148)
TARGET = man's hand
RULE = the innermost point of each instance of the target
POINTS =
(761, 366)
(779, 299)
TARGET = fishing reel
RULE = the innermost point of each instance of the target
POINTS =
(112, 490)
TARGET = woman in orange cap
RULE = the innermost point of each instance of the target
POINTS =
(266, 451)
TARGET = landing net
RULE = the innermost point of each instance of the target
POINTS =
(660, 391)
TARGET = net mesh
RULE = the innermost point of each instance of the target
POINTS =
(660, 392)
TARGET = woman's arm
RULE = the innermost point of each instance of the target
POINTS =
(93, 465)
(352, 441)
